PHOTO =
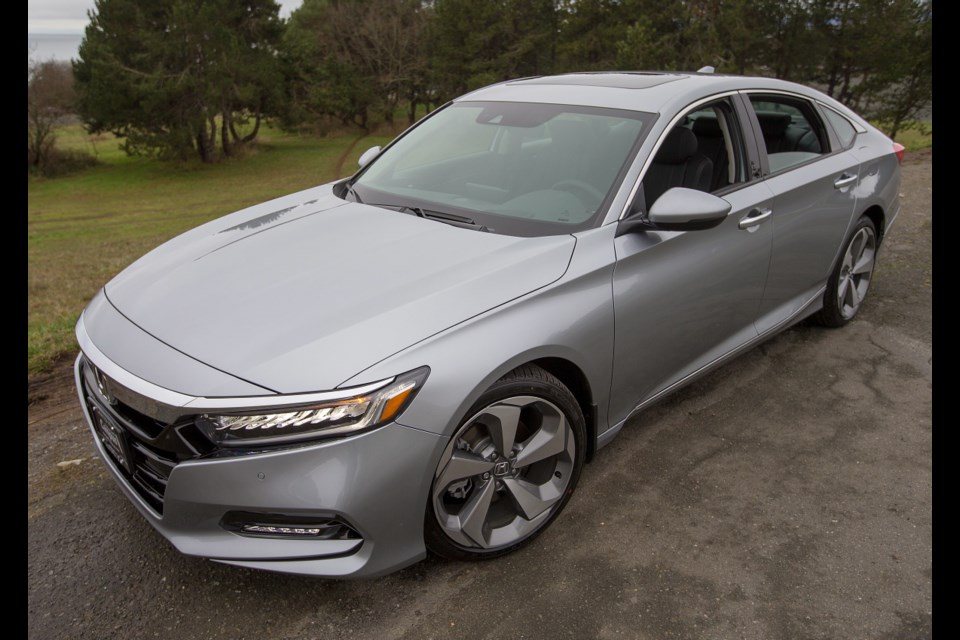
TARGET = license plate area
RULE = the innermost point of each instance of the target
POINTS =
(113, 437)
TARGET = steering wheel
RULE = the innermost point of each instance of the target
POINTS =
(585, 192)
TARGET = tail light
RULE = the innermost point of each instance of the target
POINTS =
(899, 149)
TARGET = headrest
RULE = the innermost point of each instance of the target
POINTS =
(707, 127)
(773, 123)
(679, 145)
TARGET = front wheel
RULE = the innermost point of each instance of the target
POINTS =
(509, 469)
(851, 277)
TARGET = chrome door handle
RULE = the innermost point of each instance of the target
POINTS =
(845, 180)
(755, 217)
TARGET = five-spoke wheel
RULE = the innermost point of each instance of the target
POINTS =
(509, 469)
(850, 279)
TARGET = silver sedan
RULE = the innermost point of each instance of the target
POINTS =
(424, 355)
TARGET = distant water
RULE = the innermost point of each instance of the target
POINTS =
(60, 46)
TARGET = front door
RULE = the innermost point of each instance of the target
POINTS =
(684, 299)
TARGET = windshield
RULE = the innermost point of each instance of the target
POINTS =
(515, 168)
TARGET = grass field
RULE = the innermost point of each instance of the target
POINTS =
(915, 140)
(84, 228)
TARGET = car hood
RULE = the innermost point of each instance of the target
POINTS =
(302, 293)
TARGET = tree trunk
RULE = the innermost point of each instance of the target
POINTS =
(233, 133)
(832, 80)
(205, 143)
(212, 121)
(225, 123)
(256, 128)
(895, 127)
(202, 143)
(845, 92)
(361, 118)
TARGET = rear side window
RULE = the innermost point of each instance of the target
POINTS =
(792, 131)
(841, 126)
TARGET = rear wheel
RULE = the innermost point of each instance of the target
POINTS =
(851, 278)
(509, 469)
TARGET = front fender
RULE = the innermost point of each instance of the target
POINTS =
(570, 319)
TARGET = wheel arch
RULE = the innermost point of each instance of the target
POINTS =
(565, 369)
(576, 381)
(877, 216)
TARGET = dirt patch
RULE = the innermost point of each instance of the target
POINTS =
(919, 157)
(47, 393)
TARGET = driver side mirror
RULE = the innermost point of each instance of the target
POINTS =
(367, 156)
(679, 209)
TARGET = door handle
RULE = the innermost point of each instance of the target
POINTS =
(755, 217)
(845, 180)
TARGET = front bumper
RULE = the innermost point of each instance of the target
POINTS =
(377, 481)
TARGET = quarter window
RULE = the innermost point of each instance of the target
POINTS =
(792, 131)
(841, 126)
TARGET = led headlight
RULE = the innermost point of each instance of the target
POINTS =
(295, 420)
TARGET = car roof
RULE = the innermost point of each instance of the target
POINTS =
(649, 91)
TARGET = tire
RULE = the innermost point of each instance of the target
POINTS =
(491, 496)
(851, 277)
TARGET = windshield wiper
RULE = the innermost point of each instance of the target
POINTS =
(440, 216)
(449, 218)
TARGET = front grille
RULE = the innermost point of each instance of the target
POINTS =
(151, 469)
(144, 449)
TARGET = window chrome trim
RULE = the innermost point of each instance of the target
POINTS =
(663, 136)
(856, 125)
(831, 133)
(200, 403)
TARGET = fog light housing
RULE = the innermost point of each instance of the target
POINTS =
(277, 525)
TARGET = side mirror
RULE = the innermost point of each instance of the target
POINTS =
(680, 209)
(368, 155)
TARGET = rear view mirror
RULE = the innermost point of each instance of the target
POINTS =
(680, 209)
(368, 155)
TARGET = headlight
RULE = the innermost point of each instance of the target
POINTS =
(294, 420)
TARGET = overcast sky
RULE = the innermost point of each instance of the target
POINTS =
(70, 16)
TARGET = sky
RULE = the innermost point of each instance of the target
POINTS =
(70, 16)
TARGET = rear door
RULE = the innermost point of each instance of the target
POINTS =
(814, 183)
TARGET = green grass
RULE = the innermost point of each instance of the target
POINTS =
(915, 140)
(84, 228)
(920, 136)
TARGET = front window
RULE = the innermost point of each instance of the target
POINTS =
(704, 151)
(515, 168)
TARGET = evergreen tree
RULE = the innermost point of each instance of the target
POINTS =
(174, 77)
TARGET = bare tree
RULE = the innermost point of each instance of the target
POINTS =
(384, 40)
(50, 97)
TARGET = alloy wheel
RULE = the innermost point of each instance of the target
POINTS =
(856, 271)
(504, 473)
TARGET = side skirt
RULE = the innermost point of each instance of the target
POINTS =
(814, 304)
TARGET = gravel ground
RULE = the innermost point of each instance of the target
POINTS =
(787, 495)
